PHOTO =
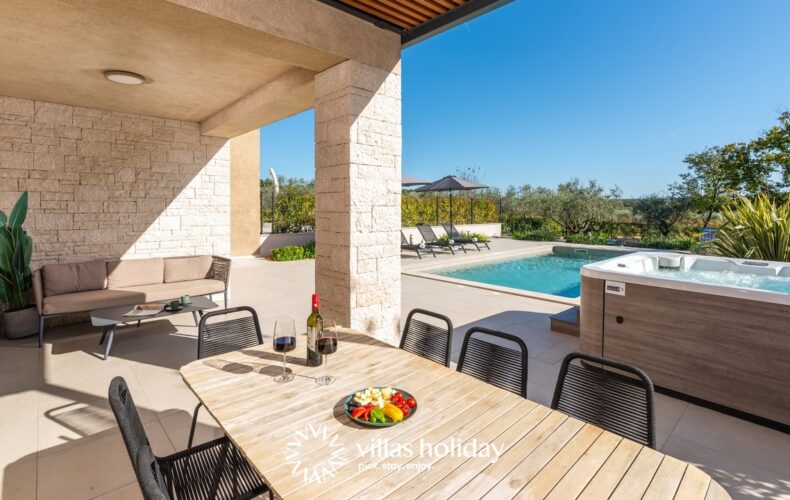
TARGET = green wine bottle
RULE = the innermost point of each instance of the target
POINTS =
(315, 325)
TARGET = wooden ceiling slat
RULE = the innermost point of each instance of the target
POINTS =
(445, 3)
(430, 4)
(393, 10)
(413, 9)
(396, 20)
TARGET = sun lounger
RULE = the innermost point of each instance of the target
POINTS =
(454, 235)
(432, 240)
(405, 245)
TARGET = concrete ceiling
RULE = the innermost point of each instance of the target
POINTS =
(196, 64)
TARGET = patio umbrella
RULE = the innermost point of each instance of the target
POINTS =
(451, 183)
(407, 180)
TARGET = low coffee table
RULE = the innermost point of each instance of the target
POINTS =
(112, 316)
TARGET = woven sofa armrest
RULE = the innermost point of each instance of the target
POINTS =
(220, 269)
(38, 291)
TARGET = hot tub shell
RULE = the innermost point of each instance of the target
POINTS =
(725, 345)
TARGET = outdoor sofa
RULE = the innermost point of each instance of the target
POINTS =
(79, 287)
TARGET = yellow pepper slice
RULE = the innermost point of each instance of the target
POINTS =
(392, 412)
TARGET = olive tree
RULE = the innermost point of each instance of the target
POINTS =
(579, 208)
(661, 212)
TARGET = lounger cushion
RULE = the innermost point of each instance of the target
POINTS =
(135, 272)
(99, 299)
(74, 277)
(187, 268)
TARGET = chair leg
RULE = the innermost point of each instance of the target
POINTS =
(104, 334)
(451, 249)
(195, 317)
(194, 424)
(225, 298)
(138, 323)
(40, 330)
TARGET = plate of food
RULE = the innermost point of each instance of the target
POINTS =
(380, 406)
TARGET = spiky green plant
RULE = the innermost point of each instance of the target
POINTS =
(758, 229)
(16, 248)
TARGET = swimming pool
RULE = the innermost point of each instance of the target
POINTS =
(556, 273)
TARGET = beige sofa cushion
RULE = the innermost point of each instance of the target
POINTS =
(187, 268)
(99, 299)
(74, 277)
(169, 291)
(135, 272)
(88, 301)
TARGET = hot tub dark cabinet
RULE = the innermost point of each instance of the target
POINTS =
(731, 352)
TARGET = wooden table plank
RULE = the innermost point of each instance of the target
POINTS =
(609, 475)
(574, 481)
(716, 492)
(667, 479)
(634, 483)
(544, 453)
(519, 416)
(694, 484)
(451, 483)
(542, 469)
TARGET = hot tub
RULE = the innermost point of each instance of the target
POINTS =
(711, 328)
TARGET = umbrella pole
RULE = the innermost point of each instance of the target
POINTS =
(451, 208)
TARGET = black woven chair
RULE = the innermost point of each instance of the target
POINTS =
(496, 364)
(427, 340)
(221, 336)
(621, 402)
(213, 470)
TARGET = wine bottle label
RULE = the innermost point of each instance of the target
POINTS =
(312, 336)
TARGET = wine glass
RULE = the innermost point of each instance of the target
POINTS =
(326, 345)
(284, 341)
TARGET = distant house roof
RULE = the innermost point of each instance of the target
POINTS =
(416, 20)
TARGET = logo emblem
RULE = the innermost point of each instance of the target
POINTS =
(309, 439)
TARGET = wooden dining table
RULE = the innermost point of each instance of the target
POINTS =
(465, 438)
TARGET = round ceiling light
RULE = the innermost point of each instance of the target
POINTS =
(124, 77)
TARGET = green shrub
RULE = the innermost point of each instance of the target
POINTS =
(588, 239)
(667, 242)
(290, 252)
(758, 229)
(544, 234)
(294, 252)
(309, 250)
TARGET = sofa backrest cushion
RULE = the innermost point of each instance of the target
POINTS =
(187, 268)
(135, 272)
(73, 277)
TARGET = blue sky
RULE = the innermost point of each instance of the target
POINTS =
(540, 91)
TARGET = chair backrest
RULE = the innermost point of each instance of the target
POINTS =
(219, 336)
(127, 417)
(621, 402)
(427, 233)
(452, 233)
(485, 358)
(149, 476)
(426, 339)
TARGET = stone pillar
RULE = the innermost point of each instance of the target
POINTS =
(245, 193)
(358, 193)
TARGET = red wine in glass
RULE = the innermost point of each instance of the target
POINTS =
(326, 346)
(284, 344)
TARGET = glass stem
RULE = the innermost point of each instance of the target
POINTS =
(326, 366)
(285, 372)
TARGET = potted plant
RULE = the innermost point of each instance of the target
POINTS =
(16, 247)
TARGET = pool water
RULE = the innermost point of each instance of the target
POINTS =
(553, 274)
(728, 278)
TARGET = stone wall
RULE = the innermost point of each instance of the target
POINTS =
(106, 184)
(358, 172)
